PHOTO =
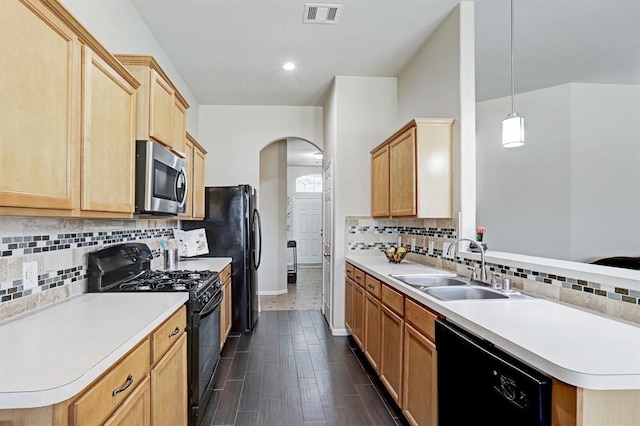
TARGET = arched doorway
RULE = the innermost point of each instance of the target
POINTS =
(291, 205)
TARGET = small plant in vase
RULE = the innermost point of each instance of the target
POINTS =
(480, 231)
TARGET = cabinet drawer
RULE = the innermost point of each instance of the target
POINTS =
(349, 269)
(110, 390)
(393, 299)
(359, 277)
(168, 333)
(421, 318)
(225, 274)
(373, 286)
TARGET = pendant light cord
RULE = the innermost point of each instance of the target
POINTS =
(513, 85)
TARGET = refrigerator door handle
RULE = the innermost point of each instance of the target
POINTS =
(258, 224)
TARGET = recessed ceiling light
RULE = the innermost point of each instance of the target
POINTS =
(289, 66)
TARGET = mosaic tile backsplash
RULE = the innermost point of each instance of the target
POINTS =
(60, 247)
(365, 233)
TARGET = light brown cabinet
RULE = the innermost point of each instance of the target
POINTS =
(412, 171)
(372, 330)
(391, 350)
(67, 134)
(195, 156)
(169, 386)
(135, 410)
(226, 307)
(358, 315)
(348, 304)
(108, 138)
(161, 109)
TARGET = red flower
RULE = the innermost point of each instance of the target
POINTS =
(481, 230)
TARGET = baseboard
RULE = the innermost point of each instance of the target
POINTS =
(339, 332)
(272, 292)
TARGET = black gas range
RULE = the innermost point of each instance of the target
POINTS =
(127, 268)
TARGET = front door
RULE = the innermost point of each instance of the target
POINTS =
(327, 236)
(307, 220)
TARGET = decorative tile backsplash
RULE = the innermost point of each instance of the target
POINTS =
(365, 233)
(60, 247)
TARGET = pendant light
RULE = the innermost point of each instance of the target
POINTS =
(513, 125)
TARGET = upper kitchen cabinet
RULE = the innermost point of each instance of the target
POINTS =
(108, 139)
(161, 110)
(39, 109)
(195, 155)
(66, 117)
(412, 172)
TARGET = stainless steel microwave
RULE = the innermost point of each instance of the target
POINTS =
(161, 180)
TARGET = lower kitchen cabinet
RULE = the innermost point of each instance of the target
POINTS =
(391, 345)
(419, 382)
(358, 315)
(169, 386)
(135, 410)
(348, 304)
(226, 306)
(372, 330)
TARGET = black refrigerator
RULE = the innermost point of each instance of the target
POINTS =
(232, 225)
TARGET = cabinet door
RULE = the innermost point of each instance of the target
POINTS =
(178, 128)
(223, 315)
(135, 410)
(358, 315)
(169, 387)
(402, 174)
(372, 330)
(419, 390)
(380, 182)
(391, 348)
(108, 138)
(188, 213)
(161, 104)
(348, 305)
(228, 309)
(39, 108)
(198, 183)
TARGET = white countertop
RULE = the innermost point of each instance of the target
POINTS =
(574, 346)
(215, 264)
(53, 354)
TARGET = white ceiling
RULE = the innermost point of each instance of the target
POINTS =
(230, 52)
(301, 153)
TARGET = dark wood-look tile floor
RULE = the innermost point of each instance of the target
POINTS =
(291, 371)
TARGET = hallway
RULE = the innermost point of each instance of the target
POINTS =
(304, 295)
(292, 371)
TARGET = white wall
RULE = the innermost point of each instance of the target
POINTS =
(119, 27)
(234, 136)
(440, 82)
(605, 171)
(523, 194)
(570, 192)
(362, 112)
(272, 274)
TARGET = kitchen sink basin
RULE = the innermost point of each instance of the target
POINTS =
(430, 280)
(463, 293)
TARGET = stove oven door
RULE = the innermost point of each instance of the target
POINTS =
(205, 352)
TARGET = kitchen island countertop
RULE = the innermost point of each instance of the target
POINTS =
(575, 346)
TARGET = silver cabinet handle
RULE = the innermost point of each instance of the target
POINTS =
(174, 332)
(128, 383)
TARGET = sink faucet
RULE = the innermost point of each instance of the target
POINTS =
(483, 267)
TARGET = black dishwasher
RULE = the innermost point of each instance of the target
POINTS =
(478, 381)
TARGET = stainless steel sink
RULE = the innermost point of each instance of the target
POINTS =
(419, 280)
(463, 293)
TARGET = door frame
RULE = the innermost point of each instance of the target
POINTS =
(327, 218)
(309, 196)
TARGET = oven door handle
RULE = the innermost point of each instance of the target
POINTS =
(211, 305)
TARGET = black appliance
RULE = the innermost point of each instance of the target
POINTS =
(126, 267)
(232, 226)
(478, 381)
(161, 180)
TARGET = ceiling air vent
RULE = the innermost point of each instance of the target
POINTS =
(322, 13)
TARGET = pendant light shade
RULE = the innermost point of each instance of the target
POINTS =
(513, 125)
(513, 131)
